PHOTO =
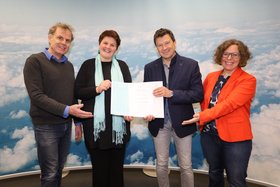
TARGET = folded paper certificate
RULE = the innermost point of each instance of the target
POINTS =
(136, 99)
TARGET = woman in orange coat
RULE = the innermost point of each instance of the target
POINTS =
(226, 135)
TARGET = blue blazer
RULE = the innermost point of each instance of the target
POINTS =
(185, 82)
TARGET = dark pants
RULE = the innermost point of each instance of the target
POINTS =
(107, 167)
(53, 142)
(233, 157)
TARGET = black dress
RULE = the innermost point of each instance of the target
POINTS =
(85, 91)
(106, 157)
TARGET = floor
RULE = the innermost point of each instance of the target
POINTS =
(134, 177)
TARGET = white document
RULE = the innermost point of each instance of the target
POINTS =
(136, 99)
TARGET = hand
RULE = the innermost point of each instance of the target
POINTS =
(193, 120)
(162, 92)
(128, 118)
(103, 86)
(78, 133)
(75, 110)
(149, 118)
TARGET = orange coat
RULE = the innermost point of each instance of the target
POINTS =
(232, 111)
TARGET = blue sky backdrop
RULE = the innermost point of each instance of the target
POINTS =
(199, 26)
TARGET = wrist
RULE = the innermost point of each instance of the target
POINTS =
(97, 89)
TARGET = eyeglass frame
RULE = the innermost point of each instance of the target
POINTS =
(232, 55)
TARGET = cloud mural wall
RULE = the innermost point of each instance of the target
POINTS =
(199, 26)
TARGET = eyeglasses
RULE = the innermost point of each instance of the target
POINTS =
(232, 55)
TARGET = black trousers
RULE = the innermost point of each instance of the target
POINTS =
(107, 167)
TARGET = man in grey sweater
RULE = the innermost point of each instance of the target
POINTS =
(49, 79)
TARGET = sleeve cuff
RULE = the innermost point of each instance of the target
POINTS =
(66, 112)
(78, 124)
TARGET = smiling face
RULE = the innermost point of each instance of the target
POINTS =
(230, 59)
(59, 42)
(107, 48)
(166, 47)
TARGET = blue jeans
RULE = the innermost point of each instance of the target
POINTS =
(184, 153)
(53, 142)
(233, 157)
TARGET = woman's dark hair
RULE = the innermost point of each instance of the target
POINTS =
(245, 54)
(110, 33)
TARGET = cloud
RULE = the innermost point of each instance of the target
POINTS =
(204, 166)
(266, 149)
(140, 131)
(137, 73)
(206, 67)
(25, 152)
(255, 102)
(73, 160)
(266, 68)
(18, 115)
(136, 157)
(190, 46)
(173, 160)
(226, 30)
(21, 154)
(11, 85)
(23, 39)
(36, 167)
(151, 161)
(234, 31)
(4, 131)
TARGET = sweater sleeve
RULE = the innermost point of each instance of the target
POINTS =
(85, 88)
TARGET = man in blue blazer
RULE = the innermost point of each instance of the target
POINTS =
(182, 86)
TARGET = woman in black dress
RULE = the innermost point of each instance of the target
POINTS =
(105, 135)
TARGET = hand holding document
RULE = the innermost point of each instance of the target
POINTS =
(136, 99)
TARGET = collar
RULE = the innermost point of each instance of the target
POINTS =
(63, 59)
(173, 61)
